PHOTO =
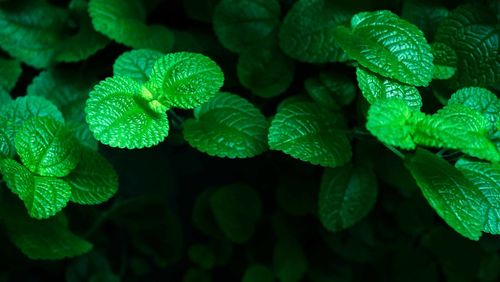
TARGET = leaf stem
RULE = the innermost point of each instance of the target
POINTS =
(395, 151)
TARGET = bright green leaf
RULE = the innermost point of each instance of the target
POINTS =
(236, 209)
(453, 197)
(93, 181)
(374, 88)
(310, 133)
(228, 126)
(125, 22)
(385, 44)
(347, 195)
(121, 113)
(186, 80)
(240, 24)
(307, 33)
(445, 61)
(136, 64)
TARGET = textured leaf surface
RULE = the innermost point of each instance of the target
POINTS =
(124, 22)
(186, 80)
(389, 46)
(331, 89)
(470, 31)
(392, 122)
(43, 197)
(228, 126)
(454, 198)
(44, 239)
(374, 88)
(93, 181)
(307, 33)
(445, 61)
(486, 177)
(47, 147)
(258, 273)
(267, 72)
(347, 195)
(14, 114)
(119, 116)
(136, 64)
(10, 71)
(308, 132)
(481, 100)
(31, 31)
(240, 24)
(236, 209)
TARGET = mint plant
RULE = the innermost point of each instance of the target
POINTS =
(252, 140)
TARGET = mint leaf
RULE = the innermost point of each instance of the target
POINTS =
(236, 209)
(122, 113)
(186, 80)
(289, 261)
(240, 24)
(43, 197)
(385, 44)
(125, 22)
(471, 31)
(47, 147)
(4, 98)
(48, 239)
(93, 181)
(267, 72)
(331, 89)
(227, 126)
(10, 71)
(13, 115)
(347, 195)
(445, 61)
(307, 33)
(258, 273)
(481, 100)
(136, 64)
(310, 133)
(486, 177)
(451, 195)
(31, 31)
(374, 88)
(393, 122)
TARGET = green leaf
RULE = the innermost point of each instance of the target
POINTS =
(31, 31)
(10, 71)
(289, 261)
(125, 22)
(136, 64)
(227, 126)
(472, 32)
(267, 72)
(374, 88)
(457, 127)
(454, 198)
(13, 115)
(93, 181)
(347, 195)
(425, 14)
(240, 24)
(48, 239)
(186, 80)
(122, 113)
(307, 33)
(445, 61)
(43, 197)
(385, 44)
(331, 89)
(258, 273)
(4, 98)
(47, 147)
(481, 100)
(310, 133)
(486, 177)
(236, 209)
